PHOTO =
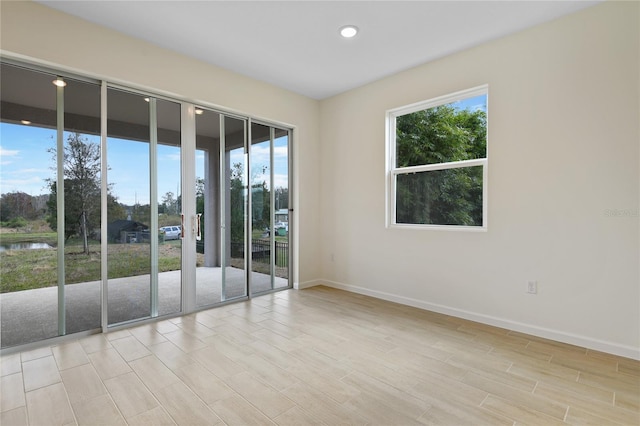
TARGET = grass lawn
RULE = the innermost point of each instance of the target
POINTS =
(28, 269)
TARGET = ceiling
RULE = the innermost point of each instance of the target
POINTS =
(295, 44)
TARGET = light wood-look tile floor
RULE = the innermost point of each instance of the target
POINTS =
(317, 356)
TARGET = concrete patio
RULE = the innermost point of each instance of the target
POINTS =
(32, 315)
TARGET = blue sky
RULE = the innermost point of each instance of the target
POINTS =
(25, 164)
(24, 160)
(476, 103)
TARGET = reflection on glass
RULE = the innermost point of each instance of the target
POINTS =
(82, 195)
(281, 208)
(208, 271)
(269, 208)
(234, 277)
(129, 212)
(28, 252)
(262, 235)
(443, 197)
(169, 208)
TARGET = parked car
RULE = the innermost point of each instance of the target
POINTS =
(171, 232)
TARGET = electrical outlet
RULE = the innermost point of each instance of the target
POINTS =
(532, 287)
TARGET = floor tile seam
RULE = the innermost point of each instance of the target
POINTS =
(385, 383)
(421, 397)
(572, 392)
(238, 394)
(96, 397)
(485, 373)
(471, 366)
(532, 393)
(584, 363)
(40, 387)
(195, 394)
(143, 384)
(257, 377)
(586, 401)
(597, 386)
(326, 394)
(594, 412)
(618, 407)
(60, 370)
(629, 372)
(222, 379)
(629, 375)
(136, 357)
(305, 412)
(35, 350)
(66, 394)
(525, 408)
(2, 374)
(24, 394)
(155, 397)
(141, 379)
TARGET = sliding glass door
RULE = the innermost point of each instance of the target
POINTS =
(111, 199)
(221, 206)
(269, 208)
(242, 200)
(143, 218)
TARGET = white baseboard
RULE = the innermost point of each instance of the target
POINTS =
(307, 284)
(557, 335)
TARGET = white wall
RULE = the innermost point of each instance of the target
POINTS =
(37, 32)
(563, 149)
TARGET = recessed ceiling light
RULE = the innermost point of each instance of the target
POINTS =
(59, 82)
(348, 31)
(147, 99)
(199, 111)
(25, 122)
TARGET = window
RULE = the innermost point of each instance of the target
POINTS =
(437, 162)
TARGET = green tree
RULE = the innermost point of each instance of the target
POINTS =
(17, 204)
(82, 193)
(141, 213)
(440, 135)
(237, 202)
(170, 203)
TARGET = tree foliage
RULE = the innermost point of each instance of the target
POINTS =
(237, 202)
(82, 193)
(17, 204)
(441, 134)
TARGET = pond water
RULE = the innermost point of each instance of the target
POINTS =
(24, 246)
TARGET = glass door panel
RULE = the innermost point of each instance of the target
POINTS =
(234, 199)
(28, 243)
(82, 206)
(270, 207)
(263, 232)
(281, 208)
(169, 183)
(207, 157)
(129, 211)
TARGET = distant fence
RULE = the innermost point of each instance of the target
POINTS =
(261, 251)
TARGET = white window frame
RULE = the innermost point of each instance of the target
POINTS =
(393, 172)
